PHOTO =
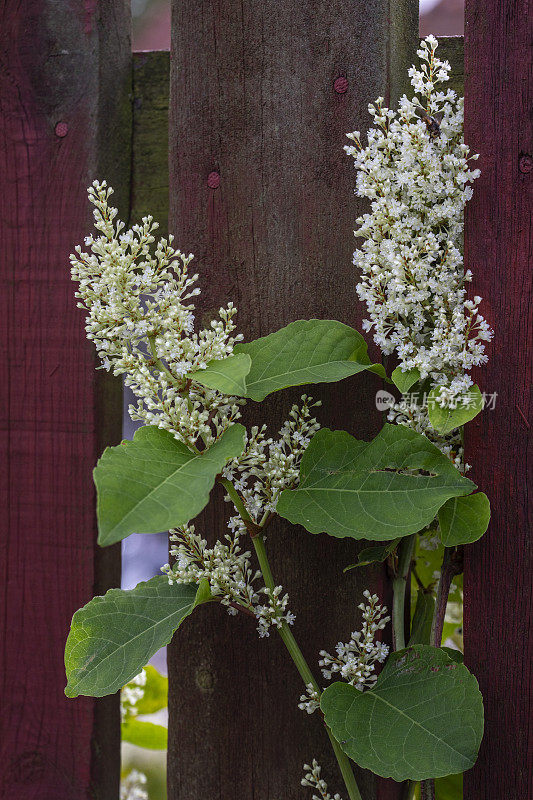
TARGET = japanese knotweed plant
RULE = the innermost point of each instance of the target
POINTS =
(421, 718)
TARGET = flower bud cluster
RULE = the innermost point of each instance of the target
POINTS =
(274, 612)
(225, 566)
(230, 575)
(130, 695)
(312, 778)
(415, 171)
(140, 318)
(268, 466)
(356, 660)
(132, 786)
(309, 701)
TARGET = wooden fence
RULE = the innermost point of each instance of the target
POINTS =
(250, 115)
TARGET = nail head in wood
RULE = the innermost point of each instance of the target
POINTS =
(341, 85)
(61, 129)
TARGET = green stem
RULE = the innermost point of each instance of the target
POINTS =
(410, 793)
(304, 670)
(237, 501)
(441, 601)
(285, 632)
(345, 767)
(427, 789)
(399, 586)
(159, 363)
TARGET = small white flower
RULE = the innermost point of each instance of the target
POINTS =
(355, 660)
(315, 781)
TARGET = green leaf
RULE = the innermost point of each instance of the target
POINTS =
(455, 655)
(114, 636)
(404, 380)
(372, 555)
(445, 420)
(306, 351)
(380, 490)
(423, 719)
(154, 482)
(203, 595)
(422, 619)
(227, 375)
(155, 690)
(144, 734)
(464, 519)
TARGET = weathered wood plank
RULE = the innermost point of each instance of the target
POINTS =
(498, 237)
(451, 48)
(65, 120)
(149, 176)
(253, 100)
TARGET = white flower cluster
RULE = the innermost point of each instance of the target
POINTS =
(274, 612)
(230, 575)
(312, 778)
(268, 466)
(227, 569)
(142, 324)
(415, 171)
(132, 786)
(130, 695)
(356, 660)
(310, 701)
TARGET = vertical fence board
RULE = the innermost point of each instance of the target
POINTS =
(498, 568)
(253, 100)
(65, 119)
(149, 172)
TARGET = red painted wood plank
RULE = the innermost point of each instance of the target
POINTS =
(63, 121)
(253, 100)
(498, 247)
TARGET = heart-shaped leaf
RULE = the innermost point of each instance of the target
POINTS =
(381, 490)
(114, 636)
(445, 419)
(154, 482)
(464, 519)
(227, 375)
(423, 718)
(404, 380)
(305, 351)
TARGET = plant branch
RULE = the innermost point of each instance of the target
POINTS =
(305, 672)
(451, 566)
(159, 364)
(252, 527)
(410, 790)
(427, 789)
(399, 586)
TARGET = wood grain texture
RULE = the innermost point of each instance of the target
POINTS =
(64, 120)
(498, 248)
(252, 99)
(149, 174)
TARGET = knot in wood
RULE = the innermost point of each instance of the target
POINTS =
(525, 164)
(205, 680)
